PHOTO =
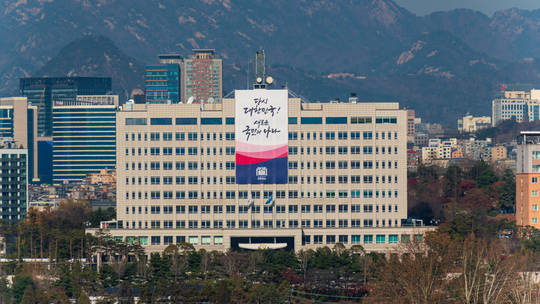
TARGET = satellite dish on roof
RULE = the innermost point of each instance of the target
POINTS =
(190, 100)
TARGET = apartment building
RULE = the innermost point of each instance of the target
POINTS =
(184, 174)
(14, 181)
(527, 176)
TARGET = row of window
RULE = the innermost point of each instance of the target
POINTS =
(180, 136)
(156, 195)
(230, 120)
(328, 150)
(179, 165)
(168, 151)
(293, 135)
(231, 165)
(231, 209)
(343, 164)
(306, 239)
(343, 135)
(292, 179)
(257, 224)
(343, 150)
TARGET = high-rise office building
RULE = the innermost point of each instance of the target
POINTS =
(42, 92)
(162, 81)
(283, 174)
(18, 120)
(527, 176)
(84, 137)
(202, 77)
(14, 181)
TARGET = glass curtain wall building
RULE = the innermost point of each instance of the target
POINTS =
(44, 91)
(84, 137)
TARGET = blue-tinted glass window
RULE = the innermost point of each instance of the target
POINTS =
(186, 121)
(161, 121)
(336, 120)
(311, 120)
(211, 121)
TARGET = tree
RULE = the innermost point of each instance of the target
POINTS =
(83, 298)
(20, 284)
(418, 275)
(507, 192)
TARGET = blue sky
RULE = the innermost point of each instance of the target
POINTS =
(422, 7)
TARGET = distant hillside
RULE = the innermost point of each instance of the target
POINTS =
(443, 64)
(97, 56)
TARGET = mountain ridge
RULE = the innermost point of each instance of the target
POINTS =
(307, 40)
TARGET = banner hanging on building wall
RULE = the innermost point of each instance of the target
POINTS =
(261, 125)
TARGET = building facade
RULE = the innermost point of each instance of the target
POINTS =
(42, 92)
(471, 124)
(520, 106)
(162, 81)
(18, 120)
(84, 137)
(527, 176)
(14, 181)
(202, 77)
(346, 179)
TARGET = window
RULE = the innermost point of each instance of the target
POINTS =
(186, 121)
(356, 239)
(381, 239)
(534, 180)
(155, 240)
(368, 135)
(336, 120)
(330, 135)
(311, 120)
(161, 121)
(385, 120)
(211, 121)
(534, 193)
(330, 239)
(344, 239)
(368, 239)
(135, 121)
(535, 207)
(392, 238)
(534, 220)
(317, 208)
(293, 120)
(360, 120)
(193, 240)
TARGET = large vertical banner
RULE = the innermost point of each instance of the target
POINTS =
(261, 126)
